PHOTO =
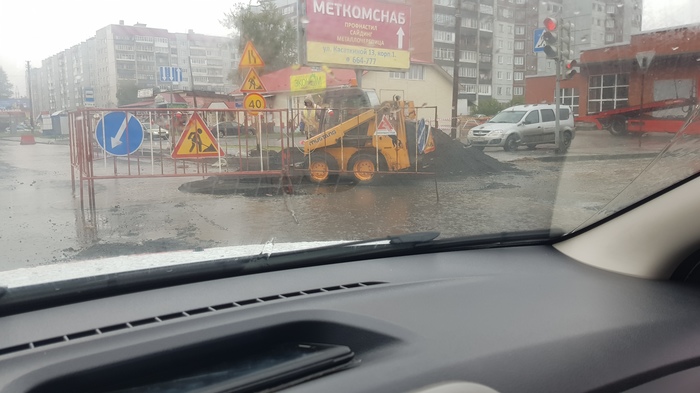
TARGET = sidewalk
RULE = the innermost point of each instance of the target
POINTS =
(48, 140)
(591, 145)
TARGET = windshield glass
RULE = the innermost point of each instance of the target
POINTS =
(155, 134)
(508, 117)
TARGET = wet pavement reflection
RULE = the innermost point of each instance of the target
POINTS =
(43, 222)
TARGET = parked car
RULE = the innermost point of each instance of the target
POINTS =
(529, 125)
(231, 128)
(156, 132)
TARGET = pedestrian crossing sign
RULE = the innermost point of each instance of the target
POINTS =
(538, 39)
(196, 141)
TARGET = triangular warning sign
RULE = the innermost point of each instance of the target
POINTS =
(250, 57)
(252, 83)
(385, 127)
(196, 141)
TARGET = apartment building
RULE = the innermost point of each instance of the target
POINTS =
(497, 38)
(120, 55)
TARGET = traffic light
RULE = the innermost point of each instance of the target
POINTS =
(570, 69)
(566, 41)
(550, 38)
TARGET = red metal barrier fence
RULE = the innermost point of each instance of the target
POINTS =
(248, 145)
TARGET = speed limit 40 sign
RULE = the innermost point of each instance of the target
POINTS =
(254, 102)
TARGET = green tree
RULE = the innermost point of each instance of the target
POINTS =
(489, 107)
(5, 85)
(127, 93)
(273, 35)
(520, 100)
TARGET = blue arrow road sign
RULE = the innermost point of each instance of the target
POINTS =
(170, 74)
(539, 42)
(117, 136)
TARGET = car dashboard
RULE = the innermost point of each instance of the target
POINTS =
(512, 319)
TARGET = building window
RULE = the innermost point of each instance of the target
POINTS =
(500, 59)
(500, 27)
(510, 45)
(509, 59)
(610, 38)
(569, 97)
(597, 22)
(610, 9)
(519, 30)
(606, 92)
(467, 72)
(500, 44)
(518, 91)
(508, 76)
(467, 56)
(487, 25)
(610, 23)
(518, 75)
(449, 70)
(519, 60)
(485, 89)
(415, 73)
(444, 53)
(444, 36)
(446, 3)
(444, 19)
(508, 91)
(499, 75)
(469, 22)
(519, 45)
(499, 90)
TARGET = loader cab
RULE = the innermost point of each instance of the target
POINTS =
(346, 103)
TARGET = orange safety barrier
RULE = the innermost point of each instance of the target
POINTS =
(27, 140)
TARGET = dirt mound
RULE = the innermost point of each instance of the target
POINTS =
(452, 158)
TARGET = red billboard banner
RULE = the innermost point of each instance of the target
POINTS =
(358, 33)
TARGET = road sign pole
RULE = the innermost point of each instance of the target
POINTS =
(557, 98)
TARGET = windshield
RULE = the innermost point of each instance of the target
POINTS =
(508, 117)
(171, 133)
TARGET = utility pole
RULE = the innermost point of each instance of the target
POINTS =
(455, 69)
(29, 94)
(194, 95)
(478, 52)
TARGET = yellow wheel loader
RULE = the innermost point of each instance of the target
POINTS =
(374, 142)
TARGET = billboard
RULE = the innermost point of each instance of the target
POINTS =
(361, 34)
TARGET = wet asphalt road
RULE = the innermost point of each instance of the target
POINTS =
(43, 222)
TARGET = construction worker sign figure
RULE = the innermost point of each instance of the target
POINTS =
(196, 141)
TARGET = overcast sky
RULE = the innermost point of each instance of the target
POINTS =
(36, 29)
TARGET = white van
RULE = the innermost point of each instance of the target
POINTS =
(529, 125)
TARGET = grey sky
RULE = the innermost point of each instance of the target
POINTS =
(36, 29)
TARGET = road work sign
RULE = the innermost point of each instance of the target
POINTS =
(196, 141)
(119, 134)
(252, 83)
(250, 57)
(385, 127)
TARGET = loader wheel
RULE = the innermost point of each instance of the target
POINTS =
(618, 126)
(320, 167)
(363, 167)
